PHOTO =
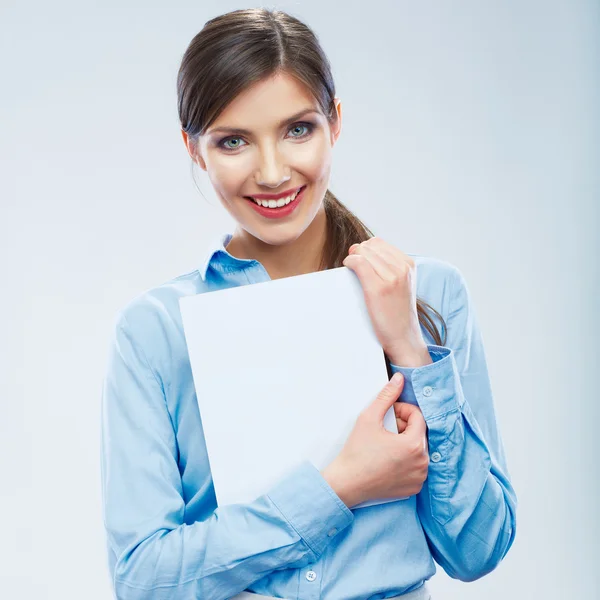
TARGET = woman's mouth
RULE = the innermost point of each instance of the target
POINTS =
(276, 209)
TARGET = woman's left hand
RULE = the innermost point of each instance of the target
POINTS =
(389, 281)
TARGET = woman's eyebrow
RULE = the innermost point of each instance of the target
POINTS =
(295, 117)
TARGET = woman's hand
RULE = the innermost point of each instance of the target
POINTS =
(389, 281)
(375, 463)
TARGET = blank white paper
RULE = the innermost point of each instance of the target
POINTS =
(281, 371)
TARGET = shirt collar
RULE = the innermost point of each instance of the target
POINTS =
(217, 257)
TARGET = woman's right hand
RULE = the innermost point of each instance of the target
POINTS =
(375, 463)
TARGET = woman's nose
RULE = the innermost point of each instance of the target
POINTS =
(272, 170)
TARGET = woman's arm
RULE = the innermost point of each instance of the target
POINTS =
(152, 552)
(467, 505)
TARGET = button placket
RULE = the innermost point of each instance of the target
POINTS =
(310, 581)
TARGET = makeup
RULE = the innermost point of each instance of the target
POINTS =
(278, 213)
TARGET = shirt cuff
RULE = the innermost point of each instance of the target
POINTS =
(311, 506)
(431, 387)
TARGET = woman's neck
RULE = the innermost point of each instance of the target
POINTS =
(299, 257)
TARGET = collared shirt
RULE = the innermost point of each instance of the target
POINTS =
(167, 538)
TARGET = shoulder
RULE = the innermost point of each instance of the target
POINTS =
(433, 269)
(434, 273)
(441, 284)
(152, 319)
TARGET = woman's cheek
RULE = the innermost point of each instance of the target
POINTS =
(313, 159)
(229, 173)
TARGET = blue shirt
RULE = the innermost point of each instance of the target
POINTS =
(167, 538)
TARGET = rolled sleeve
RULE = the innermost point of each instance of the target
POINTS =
(433, 387)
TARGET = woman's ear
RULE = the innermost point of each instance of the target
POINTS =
(193, 150)
(336, 128)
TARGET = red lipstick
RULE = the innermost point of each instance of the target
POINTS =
(283, 194)
(283, 211)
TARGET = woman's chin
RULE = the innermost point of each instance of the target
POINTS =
(277, 235)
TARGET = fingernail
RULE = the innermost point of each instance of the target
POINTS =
(397, 378)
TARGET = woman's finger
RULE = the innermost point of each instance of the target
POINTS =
(363, 269)
(393, 255)
(406, 410)
(379, 264)
(401, 417)
(401, 425)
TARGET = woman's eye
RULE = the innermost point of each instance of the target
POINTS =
(233, 143)
(235, 147)
(307, 126)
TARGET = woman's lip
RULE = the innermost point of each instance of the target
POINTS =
(278, 213)
(276, 196)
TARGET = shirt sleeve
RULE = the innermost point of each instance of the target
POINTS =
(467, 505)
(152, 552)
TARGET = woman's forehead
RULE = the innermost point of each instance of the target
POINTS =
(266, 103)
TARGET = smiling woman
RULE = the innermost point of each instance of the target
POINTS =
(271, 150)
(260, 116)
(255, 82)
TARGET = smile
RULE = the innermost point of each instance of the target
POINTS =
(275, 209)
(277, 203)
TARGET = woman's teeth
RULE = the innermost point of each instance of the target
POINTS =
(277, 203)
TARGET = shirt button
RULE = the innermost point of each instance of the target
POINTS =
(436, 457)
(332, 532)
(311, 576)
(427, 391)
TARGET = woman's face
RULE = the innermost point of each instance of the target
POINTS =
(261, 145)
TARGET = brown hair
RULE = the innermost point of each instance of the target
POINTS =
(242, 47)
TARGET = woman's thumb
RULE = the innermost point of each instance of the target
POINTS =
(386, 397)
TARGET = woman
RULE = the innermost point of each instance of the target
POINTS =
(259, 114)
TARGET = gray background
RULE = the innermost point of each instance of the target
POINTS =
(470, 133)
